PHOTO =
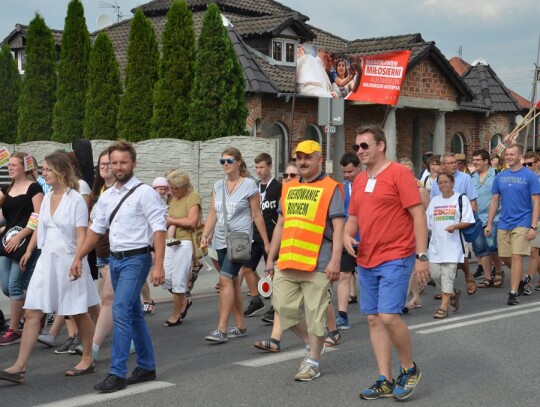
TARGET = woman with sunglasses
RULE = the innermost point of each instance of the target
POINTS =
(291, 172)
(243, 210)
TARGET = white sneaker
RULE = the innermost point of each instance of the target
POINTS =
(47, 339)
(307, 373)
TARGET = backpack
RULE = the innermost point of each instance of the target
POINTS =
(471, 232)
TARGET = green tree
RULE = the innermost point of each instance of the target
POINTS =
(10, 83)
(68, 118)
(36, 100)
(104, 90)
(135, 112)
(218, 106)
(171, 94)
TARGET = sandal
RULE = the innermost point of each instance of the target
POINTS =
(437, 297)
(16, 378)
(486, 283)
(266, 345)
(454, 299)
(168, 324)
(413, 304)
(81, 372)
(184, 313)
(332, 339)
(471, 287)
(441, 314)
(353, 299)
(499, 280)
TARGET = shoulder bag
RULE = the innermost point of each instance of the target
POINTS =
(238, 243)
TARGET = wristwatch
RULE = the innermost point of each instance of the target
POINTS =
(422, 256)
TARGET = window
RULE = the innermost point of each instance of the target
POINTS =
(20, 56)
(494, 142)
(457, 144)
(313, 132)
(280, 132)
(284, 51)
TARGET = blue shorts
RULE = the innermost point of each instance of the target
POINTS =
(484, 246)
(383, 289)
(228, 268)
(102, 261)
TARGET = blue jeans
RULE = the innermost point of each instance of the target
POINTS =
(14, 280)
(127, 277)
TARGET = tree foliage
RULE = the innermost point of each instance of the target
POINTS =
(218, 106)
(135, 112)
(10, 83)
(104, 90)
(172, 91)
(36, 100)
(68, 119)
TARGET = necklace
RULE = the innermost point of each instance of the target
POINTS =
(233, 187)
(374, 175)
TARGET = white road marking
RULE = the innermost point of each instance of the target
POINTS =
(95, 398)
(276, 358)
(479, 321)
(476, 315)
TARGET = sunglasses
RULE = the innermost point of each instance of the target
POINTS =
(229, 161)
(289, 175)
(528, 164)
(363, 146)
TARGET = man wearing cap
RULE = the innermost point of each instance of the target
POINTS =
(309, 240)
(387, 209)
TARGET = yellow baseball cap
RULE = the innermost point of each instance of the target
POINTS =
(308, 147)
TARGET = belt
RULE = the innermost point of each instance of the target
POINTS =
(129, 253)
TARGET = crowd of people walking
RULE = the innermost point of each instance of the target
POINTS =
(381, 226)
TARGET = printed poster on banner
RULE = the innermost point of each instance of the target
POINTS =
(382, 77)
(4, 156)
(370, 78)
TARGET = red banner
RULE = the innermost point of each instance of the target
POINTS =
(382, 76)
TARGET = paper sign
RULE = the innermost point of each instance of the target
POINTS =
(499, 149)
(4, 156)
(28, 163)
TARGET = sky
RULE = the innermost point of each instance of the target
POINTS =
(504, 33)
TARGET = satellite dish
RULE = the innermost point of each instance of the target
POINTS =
(104, 20)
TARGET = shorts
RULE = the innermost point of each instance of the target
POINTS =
(513, 241)
(444, 275)
(102, 261)
(228, 268)
(383, 288)
(484, 246)
(291, 289)
(257, 252)
(348, 263)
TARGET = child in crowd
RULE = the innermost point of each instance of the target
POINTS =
(161, 186)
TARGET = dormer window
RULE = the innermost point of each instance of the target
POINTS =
(284, 51)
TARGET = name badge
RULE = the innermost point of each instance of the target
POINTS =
(370, 186)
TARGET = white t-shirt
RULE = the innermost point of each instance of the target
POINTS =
(445, 247)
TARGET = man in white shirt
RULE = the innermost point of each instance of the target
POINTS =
(137, 224)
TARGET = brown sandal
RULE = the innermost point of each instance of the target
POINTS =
(471, 287)
(454, 299)
(486, 283)
(499, 280)
(441, 314)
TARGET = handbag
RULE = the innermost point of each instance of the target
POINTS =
(470, 233)
(20, 250)
(198, 251)
(238, 243)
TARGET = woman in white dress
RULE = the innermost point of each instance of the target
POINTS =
(62, 228)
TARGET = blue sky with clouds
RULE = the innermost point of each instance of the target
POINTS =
(503, 33)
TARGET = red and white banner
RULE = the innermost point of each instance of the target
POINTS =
(382, 77)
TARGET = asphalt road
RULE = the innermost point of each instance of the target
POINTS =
(484, 355)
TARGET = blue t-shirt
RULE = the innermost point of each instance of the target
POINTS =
(515, 189)
(485, 194)
(463, 185)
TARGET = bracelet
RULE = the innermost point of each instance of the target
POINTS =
(534, 227)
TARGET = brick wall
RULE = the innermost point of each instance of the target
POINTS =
(426, 81)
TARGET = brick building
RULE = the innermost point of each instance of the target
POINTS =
(440, 107)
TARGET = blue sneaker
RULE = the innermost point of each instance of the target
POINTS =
(381, 388)
(407, 382)
(342, 323)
